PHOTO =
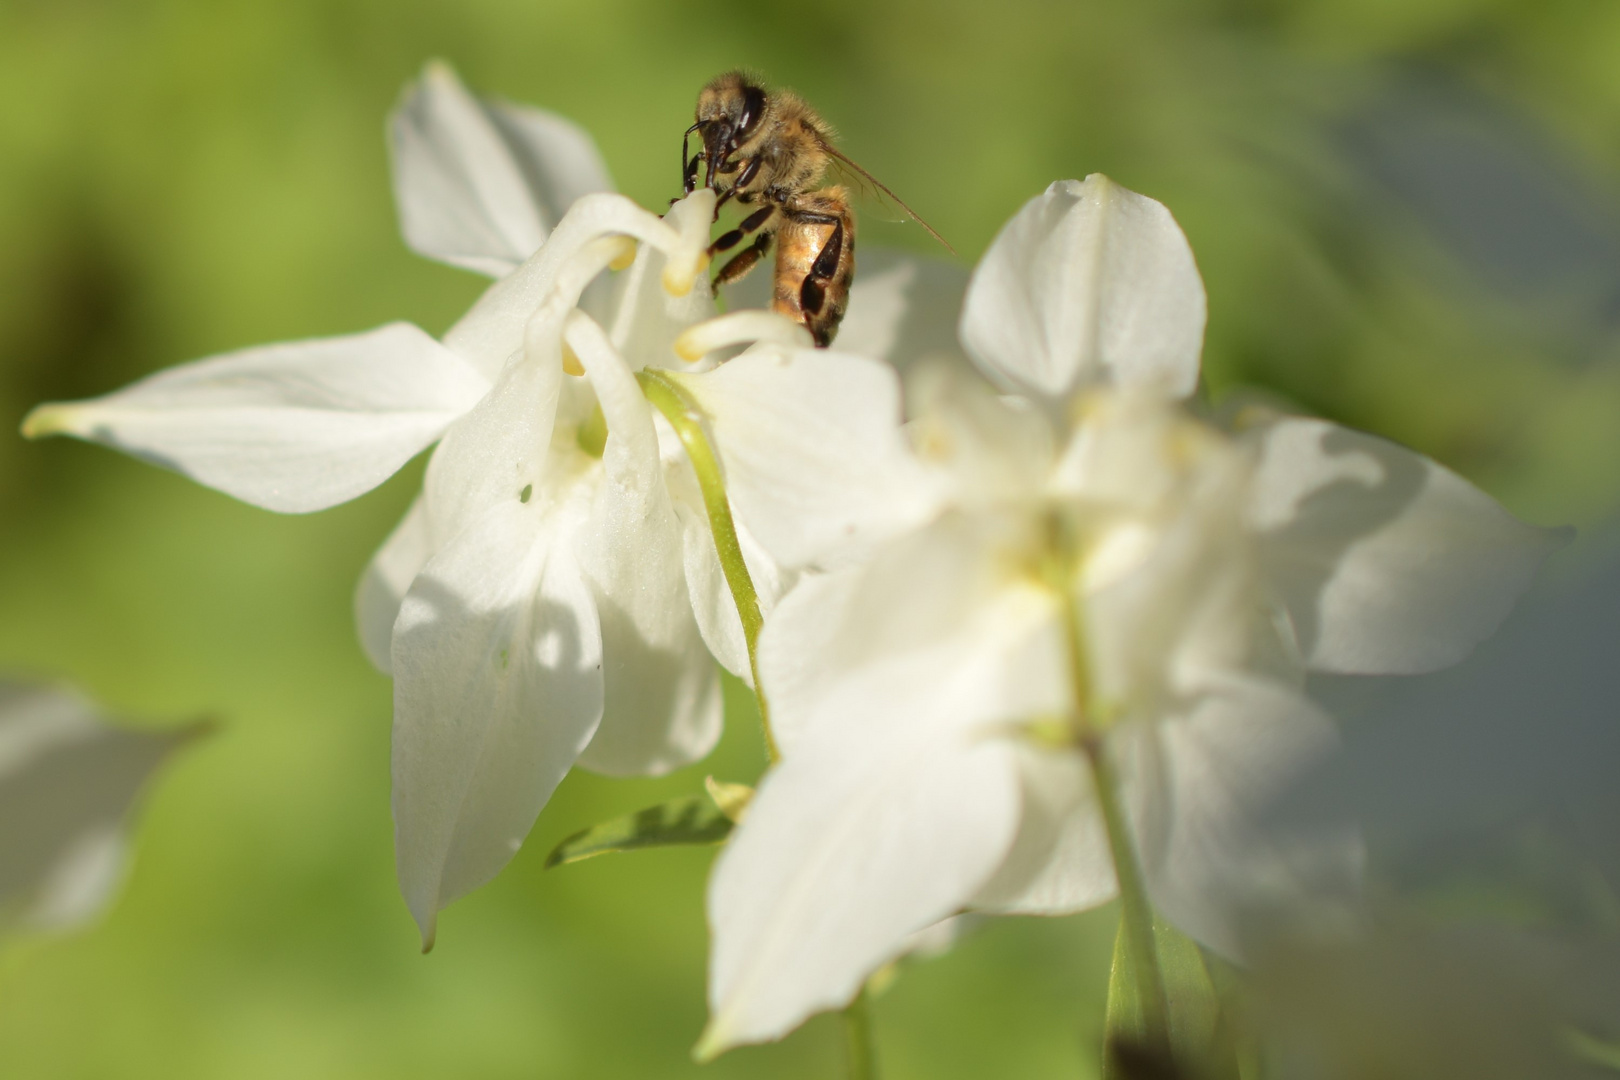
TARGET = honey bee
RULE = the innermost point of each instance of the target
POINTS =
(772, 148)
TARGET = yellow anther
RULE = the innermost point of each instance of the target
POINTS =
(570, 360)
(680, 277)
(622, 260)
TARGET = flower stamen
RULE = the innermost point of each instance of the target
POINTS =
(688, 256)
(736, 328)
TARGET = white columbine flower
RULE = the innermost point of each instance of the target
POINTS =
(554, 594)
(1100, 571)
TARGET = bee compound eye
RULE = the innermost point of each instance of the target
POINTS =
(753, 111)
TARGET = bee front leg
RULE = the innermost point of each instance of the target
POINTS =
(689, 173)
(744, 261)
(689, 165)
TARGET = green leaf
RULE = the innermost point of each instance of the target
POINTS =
(1200, 1044)
(691, 819)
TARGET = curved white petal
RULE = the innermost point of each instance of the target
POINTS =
(67, 783)
(502, 447)
(1060, 861)
(815, 461)
(1196, 783)
(497, 688)
(294, 427)
(1386, 562)
(888, 817)
(386, 579)
(479, 185)
(661, 704)
(492, 330)
(1088, 283)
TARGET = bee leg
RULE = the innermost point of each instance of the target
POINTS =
(817, 316)
(745, 178)
(689, 166)
(813, 293)
(749, 224)
(689, 173)
(744, 261)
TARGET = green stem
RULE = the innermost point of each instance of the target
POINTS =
(669, 398)
(1136, 914)
(858, 1039)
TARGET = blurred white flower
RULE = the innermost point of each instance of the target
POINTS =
(1100, 570)
(68, 781)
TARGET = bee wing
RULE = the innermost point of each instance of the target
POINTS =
(878, 190)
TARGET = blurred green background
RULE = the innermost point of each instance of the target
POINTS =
(1404, 210)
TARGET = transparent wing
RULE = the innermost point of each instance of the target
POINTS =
(875, 190)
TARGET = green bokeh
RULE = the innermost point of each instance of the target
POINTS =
(179, 178)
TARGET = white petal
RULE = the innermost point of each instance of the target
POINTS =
(382, 587)
(884, 821)
(557, 157)
(502, 448)
(1386, 562)
(993, 449)
(800, 653)
(707, 589)
(661, 704)
(815, 461)
(1060, 862)
(480, 185)
(294, 427)
(1196, 784)
(917, 591)
(1089, 283)
(837, 862)
(67, 782)
(891, 809)
(1172, 597)
(497, 688)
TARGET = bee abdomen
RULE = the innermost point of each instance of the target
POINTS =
(815, 262)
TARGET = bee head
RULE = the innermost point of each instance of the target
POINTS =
(729, 112)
